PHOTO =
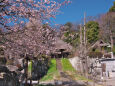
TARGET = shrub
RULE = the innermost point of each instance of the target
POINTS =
(107, 56)
(95, 54)
(3, 60)
(9, 78)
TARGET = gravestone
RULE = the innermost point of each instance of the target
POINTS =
(8, 78)
(39, 68)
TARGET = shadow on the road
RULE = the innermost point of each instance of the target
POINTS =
(65, 83)
(61, 85)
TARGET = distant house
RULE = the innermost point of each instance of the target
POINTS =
(100, 44)
(103, 47)
(62, 49)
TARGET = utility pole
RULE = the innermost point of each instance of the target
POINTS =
(84, 29)
(85, 48)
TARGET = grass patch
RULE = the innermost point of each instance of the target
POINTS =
(67, 68)
(30, 66)
(52, 72)
(66, 65)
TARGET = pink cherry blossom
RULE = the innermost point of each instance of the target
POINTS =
(33, 37)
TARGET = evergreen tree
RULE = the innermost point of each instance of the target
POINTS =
(112, 9)
(92, 31)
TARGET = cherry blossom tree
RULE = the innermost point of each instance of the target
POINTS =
(15, 12)
(20, 39)
(23, 20)
(34, 39)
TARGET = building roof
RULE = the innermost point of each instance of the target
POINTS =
(60, 44)
(100, 43)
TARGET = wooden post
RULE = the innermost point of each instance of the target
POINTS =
(31, 82)
(26, 68)
(26, 71)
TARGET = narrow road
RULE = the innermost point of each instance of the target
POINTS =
(59, 65)
(66, 79)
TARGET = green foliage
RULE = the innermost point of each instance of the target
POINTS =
(51, 72)
(69, 26)
(43, 57)
(68, 39)
(3, 61)
(66, 34)
(114, 49)
(92, 31)
(52, 66)
(71, 35)
(112, 9)
(108, 49)
(67, 68)
(30, 66)
(1, 52)
(75, 41)
(95, 50)
(66, 65)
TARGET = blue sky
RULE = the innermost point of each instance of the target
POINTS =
(74, 11)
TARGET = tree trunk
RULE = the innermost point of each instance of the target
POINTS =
(26, 71)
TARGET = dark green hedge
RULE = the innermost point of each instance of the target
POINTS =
(95, 54)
